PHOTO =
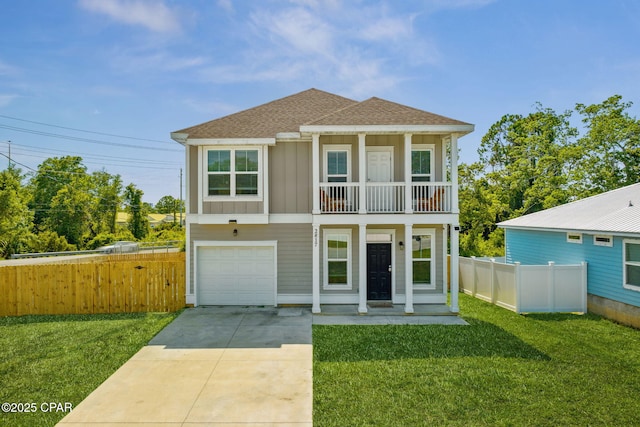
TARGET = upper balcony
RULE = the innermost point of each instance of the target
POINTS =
(384, 174)
(385, 197)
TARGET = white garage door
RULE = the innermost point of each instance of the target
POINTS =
(236, 275)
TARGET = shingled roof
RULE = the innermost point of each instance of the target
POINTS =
(267, 120)
(312, 108)
(376, 111)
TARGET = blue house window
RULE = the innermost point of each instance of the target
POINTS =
(632, 264)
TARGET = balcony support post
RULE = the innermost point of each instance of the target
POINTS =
(454, 174)
(315, 172)
(408, 202)
(362, 174)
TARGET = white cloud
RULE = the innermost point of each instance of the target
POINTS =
(153, 15)
(226, 5)
(6, 99)
(6, 69)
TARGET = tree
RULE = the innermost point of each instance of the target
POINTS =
(523, 168)
(609, 153)
(106, 190)
(54, 174)
(69, 213)
(15, 216)
(170, 205)
(138, 222)
(526, 157)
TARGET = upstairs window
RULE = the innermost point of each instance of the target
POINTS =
(421, 159)
(337, 158)
(233, 172)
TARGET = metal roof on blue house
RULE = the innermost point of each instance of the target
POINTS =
(614, 212)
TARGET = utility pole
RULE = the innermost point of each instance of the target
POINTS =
(181, 204)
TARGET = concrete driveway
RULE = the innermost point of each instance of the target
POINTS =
(212, 366)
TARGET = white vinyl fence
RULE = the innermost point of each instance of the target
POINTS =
(526, 288)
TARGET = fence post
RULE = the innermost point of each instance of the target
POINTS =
(473, 271)
(551, 282)
(583, 264)
(517, 286)
(493, 280)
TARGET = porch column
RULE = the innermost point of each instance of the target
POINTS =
(408, 207)
(315, 173)
(362, 269)
(362, 174)
(455, 271)
(454, 175)
(315, 269)
(408, 268)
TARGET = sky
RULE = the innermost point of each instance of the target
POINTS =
(109, 80)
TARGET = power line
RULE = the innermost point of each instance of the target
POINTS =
(91, 141)
(86, 131)
(45, 151)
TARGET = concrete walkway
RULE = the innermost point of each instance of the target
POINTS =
(219, 366)
(228, 366)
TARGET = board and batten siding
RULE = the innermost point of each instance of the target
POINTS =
(290, 177)
(604, 264)
(294, 249)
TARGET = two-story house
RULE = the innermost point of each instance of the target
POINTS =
(319, 199)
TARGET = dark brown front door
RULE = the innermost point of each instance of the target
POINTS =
(379, 271)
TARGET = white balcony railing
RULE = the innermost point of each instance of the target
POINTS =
(385, 197)
(339, 197)
(431, 197)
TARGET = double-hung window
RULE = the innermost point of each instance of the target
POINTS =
(233, 172)
(421, 163)
(337, 158)
(632, 264)
(423, 251)
(337, 259)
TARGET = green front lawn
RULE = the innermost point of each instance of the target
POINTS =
(61, 359)
(503, 369)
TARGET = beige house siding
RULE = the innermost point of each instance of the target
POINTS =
(294, 250)
(289, 169)
(224, 207)
(192, 179)
(290, 177)
(395, 141)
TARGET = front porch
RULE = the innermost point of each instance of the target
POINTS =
(424, 314)
(384, 268)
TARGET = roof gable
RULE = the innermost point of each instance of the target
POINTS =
(616, 211)
(267, 120)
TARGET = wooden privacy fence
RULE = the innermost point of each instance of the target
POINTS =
(110, 284)
(526, 288)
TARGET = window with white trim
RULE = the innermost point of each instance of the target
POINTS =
(423, 250)
(603, 240)
(337, 259)
(631, 264)
(574, 238)
(337, 159)
(233, 172)
(421, 161)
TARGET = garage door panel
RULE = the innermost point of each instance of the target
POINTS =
(236, 275)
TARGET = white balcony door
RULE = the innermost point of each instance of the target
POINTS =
(380, 198)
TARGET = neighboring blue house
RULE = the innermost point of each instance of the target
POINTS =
(604, 231)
